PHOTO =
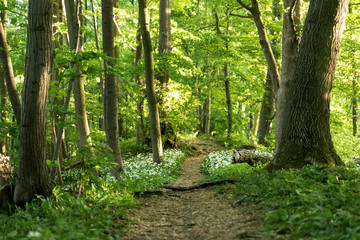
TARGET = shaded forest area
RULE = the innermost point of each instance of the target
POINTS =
(99, 101)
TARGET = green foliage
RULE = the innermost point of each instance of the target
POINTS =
(310, 203)
(93, 208)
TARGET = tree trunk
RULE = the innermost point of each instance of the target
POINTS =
(354, 107)
(8, 68)
(169, 136)
(74, 15)
(140, 128)
(266, 112)
(150, 84)
(290, 49)
(207, 112)
(111, 92)
(164, 39)
(32, 174)
(225, 70)
(306, 135)
(3, 103)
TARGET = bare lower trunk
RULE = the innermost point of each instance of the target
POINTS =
(207, 113)
(267, 112)
(156, 142)
(111, 92)
(3, 102)
(32, 174)
(290, 49)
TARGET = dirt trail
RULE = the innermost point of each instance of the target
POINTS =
(196, 214)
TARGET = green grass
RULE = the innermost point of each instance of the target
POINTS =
(99, 211)
(311, 203)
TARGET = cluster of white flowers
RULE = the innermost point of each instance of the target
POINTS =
(142, 173)
(217, 160)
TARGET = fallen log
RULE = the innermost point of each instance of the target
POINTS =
(249, 157)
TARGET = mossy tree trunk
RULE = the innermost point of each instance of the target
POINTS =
(306, 135)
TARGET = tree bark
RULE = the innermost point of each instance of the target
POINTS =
(290, 49)
(74, 15)
(164, 39)
(3, 103)
(32, 174)
(8, 68)
(306, 135)
(140, 126)
(111, 92)
(207, 112)
(150, 85)
(266, 112)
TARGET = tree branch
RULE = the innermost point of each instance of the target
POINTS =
(244, 5)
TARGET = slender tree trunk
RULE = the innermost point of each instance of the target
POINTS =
(267, 106)
(290, 49)
(164, 39)
(32, 174)
(8, 68)
(111, 92)
(354, 107)
(266, 112)
(150, 84)
(74, 15)
(207, 113)
(140, 126)
(306, 135)
(225, 70)
(3, 103)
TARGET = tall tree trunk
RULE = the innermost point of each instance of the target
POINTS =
(111, 92)
(117, 56)
(290, 49)
(32, 174)
(8, 68)
(266, 112)
(306, 135)
(150, 84)
(354, 107)
(74, 15)
(140, 126)
(225, 70)
(164, 39)
(267, 105)
(207, 112)
(169, 136)
(3, 103)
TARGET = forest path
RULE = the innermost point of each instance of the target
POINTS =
(195, 214)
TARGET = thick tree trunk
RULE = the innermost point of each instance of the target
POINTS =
(290, 49)
(8, 69)
(156, 142)
(306, 135)
(111, 92)
(266, 112)
(32, 174)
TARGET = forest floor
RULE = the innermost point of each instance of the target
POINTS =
(195, 214)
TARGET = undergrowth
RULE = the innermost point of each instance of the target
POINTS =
(310, 203)
(88, 207)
